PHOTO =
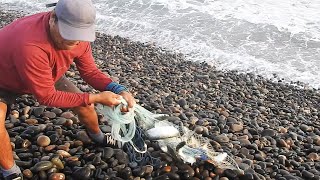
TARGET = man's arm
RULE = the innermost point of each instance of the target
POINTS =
(89, 71)
(98, 80)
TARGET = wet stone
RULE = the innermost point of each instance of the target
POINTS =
(57, 111)
(67, 115)
(105, 128)
(43, 141)
(57, 176)
(307, 174)
(42, 166)
(49, 114)
(83, 136)
(27, 173)
(58, 163)
(31, 121)
(42, 175)
(222, 138)
(268, 132)
(82, 173)
(26, 143)
(38, 111)
(126, 173)
(107, 153)
(25, 156)
(63, 153)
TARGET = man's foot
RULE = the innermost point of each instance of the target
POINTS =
(109, 141)
(14, 177)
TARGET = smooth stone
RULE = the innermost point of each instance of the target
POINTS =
(133, 164)
(122, 157)
(107, 152)
(27, 173)
(42, 166)
(126, 173)
(67, 115)
(83, 136)
(57, 162)
(82, 173)
(43, 141)
(15, 114)
(63, 153)
(25, 156)
(26, 143)
(198, 129)
(222, 138)
(60, 121)
(57, 176)
(50, 148)
(31, 121)
(236, 127)
(268, 132)
(307, 174)
(49, 114)
(43, 175)
(57, 111)
(26, 110)
(38, 111)
(24, 164)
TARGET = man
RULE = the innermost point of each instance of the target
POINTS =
(36, 51)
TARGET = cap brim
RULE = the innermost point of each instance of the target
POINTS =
(77, 34)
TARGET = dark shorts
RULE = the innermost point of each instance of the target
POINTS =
(63, 84)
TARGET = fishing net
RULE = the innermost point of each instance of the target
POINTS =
(176, 140)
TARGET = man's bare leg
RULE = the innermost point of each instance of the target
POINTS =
(88, 117)
(6, 158)
(9, 169)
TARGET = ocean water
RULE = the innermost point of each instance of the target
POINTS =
(266, 37)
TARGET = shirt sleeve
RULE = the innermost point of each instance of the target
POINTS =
(33, 67)
(89, 71)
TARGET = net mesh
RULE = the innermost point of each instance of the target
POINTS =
(195, 146)
(187, 145)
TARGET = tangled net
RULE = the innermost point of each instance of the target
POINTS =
(176, 140)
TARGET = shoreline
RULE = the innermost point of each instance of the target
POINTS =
(270, 129)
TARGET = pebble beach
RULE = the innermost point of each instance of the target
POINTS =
(271, 129)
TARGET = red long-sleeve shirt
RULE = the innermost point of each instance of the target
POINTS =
(30, 63)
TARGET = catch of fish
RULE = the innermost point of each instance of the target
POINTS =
(177, 140)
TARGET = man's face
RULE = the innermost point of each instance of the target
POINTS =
(57, 39)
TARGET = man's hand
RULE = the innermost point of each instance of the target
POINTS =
(130, 100)
(106, 98)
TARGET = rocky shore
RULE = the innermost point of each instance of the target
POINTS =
(270, 129)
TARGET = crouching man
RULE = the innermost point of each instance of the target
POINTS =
(36, 51)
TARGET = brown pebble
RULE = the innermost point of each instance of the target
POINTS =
(26, 143)
(43, 141)
(50, 148)
(15, 114)
(31, 121)
(27, 173)
(73, 158)
(64, 147)
(67, 115)
(26, 110)
(63, 153)
(57, 176)
(283, 130)
(313, 156)
(167, 168)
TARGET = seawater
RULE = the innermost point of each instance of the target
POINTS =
(265, 37)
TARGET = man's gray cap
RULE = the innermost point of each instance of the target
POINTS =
(76, 19)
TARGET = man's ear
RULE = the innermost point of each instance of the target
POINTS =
(52, 18)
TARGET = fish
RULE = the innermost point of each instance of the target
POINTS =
(162, 132)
